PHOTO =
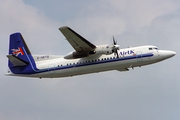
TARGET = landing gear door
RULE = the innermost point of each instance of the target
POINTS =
(139, 56)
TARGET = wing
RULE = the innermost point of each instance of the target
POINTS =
(80, 44)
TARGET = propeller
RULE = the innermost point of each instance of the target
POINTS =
(115, 42)
(115, 47)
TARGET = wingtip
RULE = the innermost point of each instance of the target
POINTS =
(63, 27)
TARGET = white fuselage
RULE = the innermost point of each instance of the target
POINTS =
(55, 67)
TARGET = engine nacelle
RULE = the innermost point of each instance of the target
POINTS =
(74, 55)
(106, 49)
(102, 49)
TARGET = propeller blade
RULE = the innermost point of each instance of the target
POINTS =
(117, 54)
(115, 42)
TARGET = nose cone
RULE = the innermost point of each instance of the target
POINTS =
(167, 54)
(172, 53)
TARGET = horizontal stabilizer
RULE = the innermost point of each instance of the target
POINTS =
(16, 61)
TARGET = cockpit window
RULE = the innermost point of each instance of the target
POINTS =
(155, 48)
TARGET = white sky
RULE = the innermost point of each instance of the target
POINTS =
(146, 93)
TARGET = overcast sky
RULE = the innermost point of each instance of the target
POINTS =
(146, 93)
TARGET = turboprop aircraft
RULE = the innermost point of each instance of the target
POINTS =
(86, 58)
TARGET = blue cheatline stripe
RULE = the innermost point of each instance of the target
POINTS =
(91, 63)
(34, 69)
(88, 64)
(109, 61)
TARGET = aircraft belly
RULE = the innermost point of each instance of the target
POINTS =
(88, 69)
(94, 67)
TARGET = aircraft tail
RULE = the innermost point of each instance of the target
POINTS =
(20, 58)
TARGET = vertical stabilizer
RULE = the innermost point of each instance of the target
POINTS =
(20, 58)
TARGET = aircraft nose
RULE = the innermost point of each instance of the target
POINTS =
(173, 53)
(167, 54)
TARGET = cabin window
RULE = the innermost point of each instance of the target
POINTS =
(150, 48)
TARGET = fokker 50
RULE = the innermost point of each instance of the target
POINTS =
(86, 58)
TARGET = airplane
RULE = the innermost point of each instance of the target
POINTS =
(86, 58)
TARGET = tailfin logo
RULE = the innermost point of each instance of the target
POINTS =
(17, 51)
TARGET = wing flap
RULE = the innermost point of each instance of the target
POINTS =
(16, 61)
(79, 43)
